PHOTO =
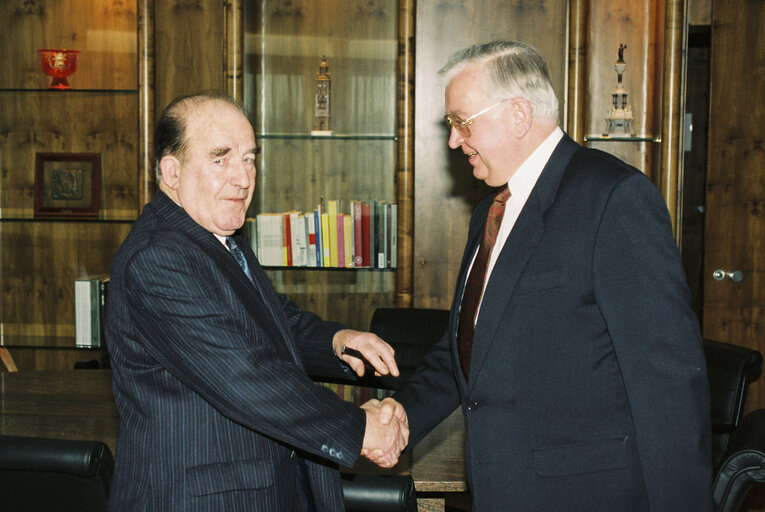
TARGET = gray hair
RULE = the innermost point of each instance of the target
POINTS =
(514, 70)
(170, 133)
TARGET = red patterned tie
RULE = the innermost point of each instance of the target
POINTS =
(471, 297)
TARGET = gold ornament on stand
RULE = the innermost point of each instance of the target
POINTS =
(619, 120)
(321, 112)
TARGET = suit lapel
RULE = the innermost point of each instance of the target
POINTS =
(520, 244)
(258, 297)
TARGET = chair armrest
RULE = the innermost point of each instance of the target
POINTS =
(742, 464)
(82, 458)
(379, 493)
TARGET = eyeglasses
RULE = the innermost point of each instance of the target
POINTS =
(454, 121)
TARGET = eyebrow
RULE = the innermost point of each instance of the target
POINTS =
(218, 152)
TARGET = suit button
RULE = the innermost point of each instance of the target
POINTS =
(472, 405)
(324, 448)
(332, 452)
(340, 455)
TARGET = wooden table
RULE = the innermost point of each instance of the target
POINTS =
(78, 404)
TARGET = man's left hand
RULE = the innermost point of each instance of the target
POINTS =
(378, 353)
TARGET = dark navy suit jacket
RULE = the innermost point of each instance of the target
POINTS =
(587, 388)
(209, 376)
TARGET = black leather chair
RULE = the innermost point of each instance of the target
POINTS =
(411, 332)
(55, 475)
(738, 444)
(730, 369)
(379, 493)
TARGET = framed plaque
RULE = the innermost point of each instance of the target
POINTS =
(67, 185)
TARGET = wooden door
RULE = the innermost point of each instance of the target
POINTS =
(734, 312)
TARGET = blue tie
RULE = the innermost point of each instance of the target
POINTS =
(238, 255)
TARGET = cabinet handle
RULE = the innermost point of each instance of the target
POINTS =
(734, 275)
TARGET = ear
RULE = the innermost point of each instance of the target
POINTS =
(170, 167)
(521, 112)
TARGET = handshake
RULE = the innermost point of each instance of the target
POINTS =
(387, 429)
(387, 432)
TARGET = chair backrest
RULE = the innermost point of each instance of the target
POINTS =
(379, 493)
(54, 474)
(730, 369)
(411, 332)
(6, 361)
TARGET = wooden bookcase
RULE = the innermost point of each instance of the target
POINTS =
(40, 258)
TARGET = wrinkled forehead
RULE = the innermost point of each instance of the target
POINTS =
(215, 117)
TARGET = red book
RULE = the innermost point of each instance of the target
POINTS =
(286, 240)
(357, 236)
(365, 261)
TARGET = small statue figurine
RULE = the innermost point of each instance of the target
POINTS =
(619, 120)
(321, 114)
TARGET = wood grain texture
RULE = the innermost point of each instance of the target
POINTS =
(69, 122)
(40, 262)
(673, 109)
(103, 32)
(405, 162)
(146, 175)
(60, 405)
(445, 190)
(735, 219)
(638, 25)
(189, 48)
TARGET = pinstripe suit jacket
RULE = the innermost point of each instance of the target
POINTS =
(209, 376)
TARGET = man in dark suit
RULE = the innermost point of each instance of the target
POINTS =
(217, 411)
(571, 350)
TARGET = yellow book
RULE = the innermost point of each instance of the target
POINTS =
(332, 212)
(325, 246)
(347, 240)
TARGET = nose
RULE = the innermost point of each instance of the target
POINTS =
(243, 174)
(455, 138)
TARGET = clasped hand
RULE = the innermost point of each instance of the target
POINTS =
(387, 432)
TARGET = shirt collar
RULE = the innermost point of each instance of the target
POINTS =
(523, 180)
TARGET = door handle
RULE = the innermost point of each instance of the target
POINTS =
(733, 275)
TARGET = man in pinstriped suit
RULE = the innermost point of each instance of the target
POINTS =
(210, 363)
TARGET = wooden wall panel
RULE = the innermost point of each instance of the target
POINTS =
(735, 220)
(188, 48)
(40, 262)
(103, 32)
(45, 359)
(445, 190)
(69, 122)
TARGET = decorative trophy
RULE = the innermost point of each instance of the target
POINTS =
(321, 115)
(59, 64)
(619, 120)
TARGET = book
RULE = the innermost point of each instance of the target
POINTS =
(348, 240)
(325, 244)
(89, 307)
(393, 235)
(340, 241)
(269, 234)
(357, 233)
(333, 246)
(286, 241)
(365, 262)
(319, 240)
(310, 229)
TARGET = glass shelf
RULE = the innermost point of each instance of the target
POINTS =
(621, 138)
(334, 136)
